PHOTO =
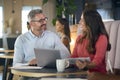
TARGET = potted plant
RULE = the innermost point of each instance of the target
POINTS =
(64, 8)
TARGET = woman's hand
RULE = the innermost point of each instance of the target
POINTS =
(33, 62)
(81, 65)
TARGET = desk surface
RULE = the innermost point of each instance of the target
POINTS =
(67, 74)
(100, 76)
(6, 51)
(7, 56)
(45, 72)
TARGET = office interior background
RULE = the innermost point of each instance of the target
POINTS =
(15, 12)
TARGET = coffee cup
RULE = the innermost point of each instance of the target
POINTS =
(61, 64)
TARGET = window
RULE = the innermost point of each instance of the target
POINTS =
(1, 21)
(106, 14)
(25, 11)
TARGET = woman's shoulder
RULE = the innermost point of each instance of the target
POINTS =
(101, 37)
(79, 37)
(65, 37)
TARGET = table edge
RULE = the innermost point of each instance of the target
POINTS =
(33, 74)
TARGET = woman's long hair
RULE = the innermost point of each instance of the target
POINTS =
(95, 27)
(65, 22)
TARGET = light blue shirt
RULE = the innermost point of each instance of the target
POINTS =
(25, 44)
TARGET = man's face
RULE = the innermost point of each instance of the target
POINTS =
(39, 22)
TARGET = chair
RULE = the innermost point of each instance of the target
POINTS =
(113, 29)
(1, 43)
(11, 42)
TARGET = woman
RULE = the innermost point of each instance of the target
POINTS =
(63, 30)
(93, 42)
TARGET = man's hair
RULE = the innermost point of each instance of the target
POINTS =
(32, 13)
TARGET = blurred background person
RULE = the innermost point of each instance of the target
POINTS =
(7, 32)
(63, 30)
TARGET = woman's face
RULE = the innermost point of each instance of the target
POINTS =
(59, 26)
(82, 24)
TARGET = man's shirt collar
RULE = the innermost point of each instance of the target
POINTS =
(34, 36)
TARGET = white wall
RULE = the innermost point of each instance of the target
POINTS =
(48, 9)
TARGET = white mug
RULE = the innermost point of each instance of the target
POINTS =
(61, 64)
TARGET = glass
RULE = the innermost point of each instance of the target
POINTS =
(41, 20)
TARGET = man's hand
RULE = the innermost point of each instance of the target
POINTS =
(33, 62)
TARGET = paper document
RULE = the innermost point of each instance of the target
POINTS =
(72, 60)
(26, 67)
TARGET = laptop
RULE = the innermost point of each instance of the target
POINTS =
(47, 57)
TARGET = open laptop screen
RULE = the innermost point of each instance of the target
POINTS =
(47, 57)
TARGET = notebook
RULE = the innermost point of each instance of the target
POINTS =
(47, 57)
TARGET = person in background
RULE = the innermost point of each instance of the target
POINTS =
(63, 30)
(7, 33)
(36, 37)
(92, 43)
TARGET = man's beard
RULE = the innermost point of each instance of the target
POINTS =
(43, 27)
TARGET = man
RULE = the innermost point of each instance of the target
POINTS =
(36, 37)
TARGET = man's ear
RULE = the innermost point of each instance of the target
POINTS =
(27, 23)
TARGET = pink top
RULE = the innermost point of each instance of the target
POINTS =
(98, 58)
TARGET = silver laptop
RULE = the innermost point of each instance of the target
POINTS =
(47, 57)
